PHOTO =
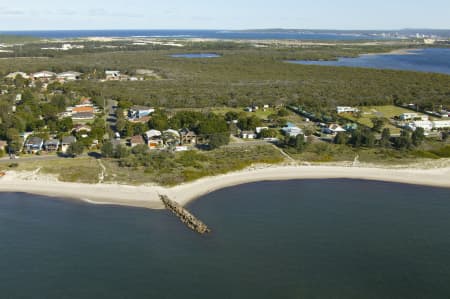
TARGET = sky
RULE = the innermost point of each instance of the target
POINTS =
(224, 14)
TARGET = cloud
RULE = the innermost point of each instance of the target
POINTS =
(66, 12)
(201, 18)
(101, 12)
(11, 12)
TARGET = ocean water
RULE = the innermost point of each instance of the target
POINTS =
(293, 239)
(218, 34)
(434, 60)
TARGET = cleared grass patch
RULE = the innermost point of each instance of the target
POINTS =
(81, 170)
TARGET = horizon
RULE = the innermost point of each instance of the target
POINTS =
(384, 15)
(226, 29)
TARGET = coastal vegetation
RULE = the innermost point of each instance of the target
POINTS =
(217, 99)
(244, 76)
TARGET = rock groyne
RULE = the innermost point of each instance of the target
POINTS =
(185, 216)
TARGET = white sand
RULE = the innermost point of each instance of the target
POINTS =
(147, 196)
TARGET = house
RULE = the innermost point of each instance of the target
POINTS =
(346, 109)
(69, 76)
(171, 137)
(43, 75)
(188, 137)
(333, 129)
(66, 142)
(426, 125)
(441, 124)
(137, 112)
(408, 116)
(113, 75)
(83, 116)
(154, 138)
(82, 109)
(136, 140)
(51, 145)
(429, 125)
(15, 74)
(34, 144)
(83, 112)
(292, 131)
(248, 135)
(142, 120)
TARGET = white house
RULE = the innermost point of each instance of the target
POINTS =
(43, 75)
(15, 74)
(292, 131)
(69, 76)
(137, 112)
(154, 138)
(112, 75)
(248, 135)
(333, 129)
(429, 125)
(441, 124)
(66, 142)
(346, 109)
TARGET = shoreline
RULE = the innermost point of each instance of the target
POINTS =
(405, 51)
(148, 196)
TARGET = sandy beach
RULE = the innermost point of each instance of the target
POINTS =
(148, 196)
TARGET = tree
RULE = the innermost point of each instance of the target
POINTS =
(404, 141)
(418, 136)
(341, 138)
(378, 124)
(300, 142)
(75, 149)
(121, 152)
(107, 150)
(385, 140)
(218, 139)
(231, 115)
(13, 138)
(64, 125)
(159, 121)
(362, 137)
(269, 133)
(19, 81)
(445, 135)
(283, 112)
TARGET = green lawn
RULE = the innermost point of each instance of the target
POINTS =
(369, 112)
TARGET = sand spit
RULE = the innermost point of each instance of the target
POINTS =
(148, 196)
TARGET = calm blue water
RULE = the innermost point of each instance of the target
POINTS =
(219, 34)
(196, 55)
(295, 239)
(433, 60)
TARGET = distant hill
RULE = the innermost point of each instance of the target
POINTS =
(406, 32)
